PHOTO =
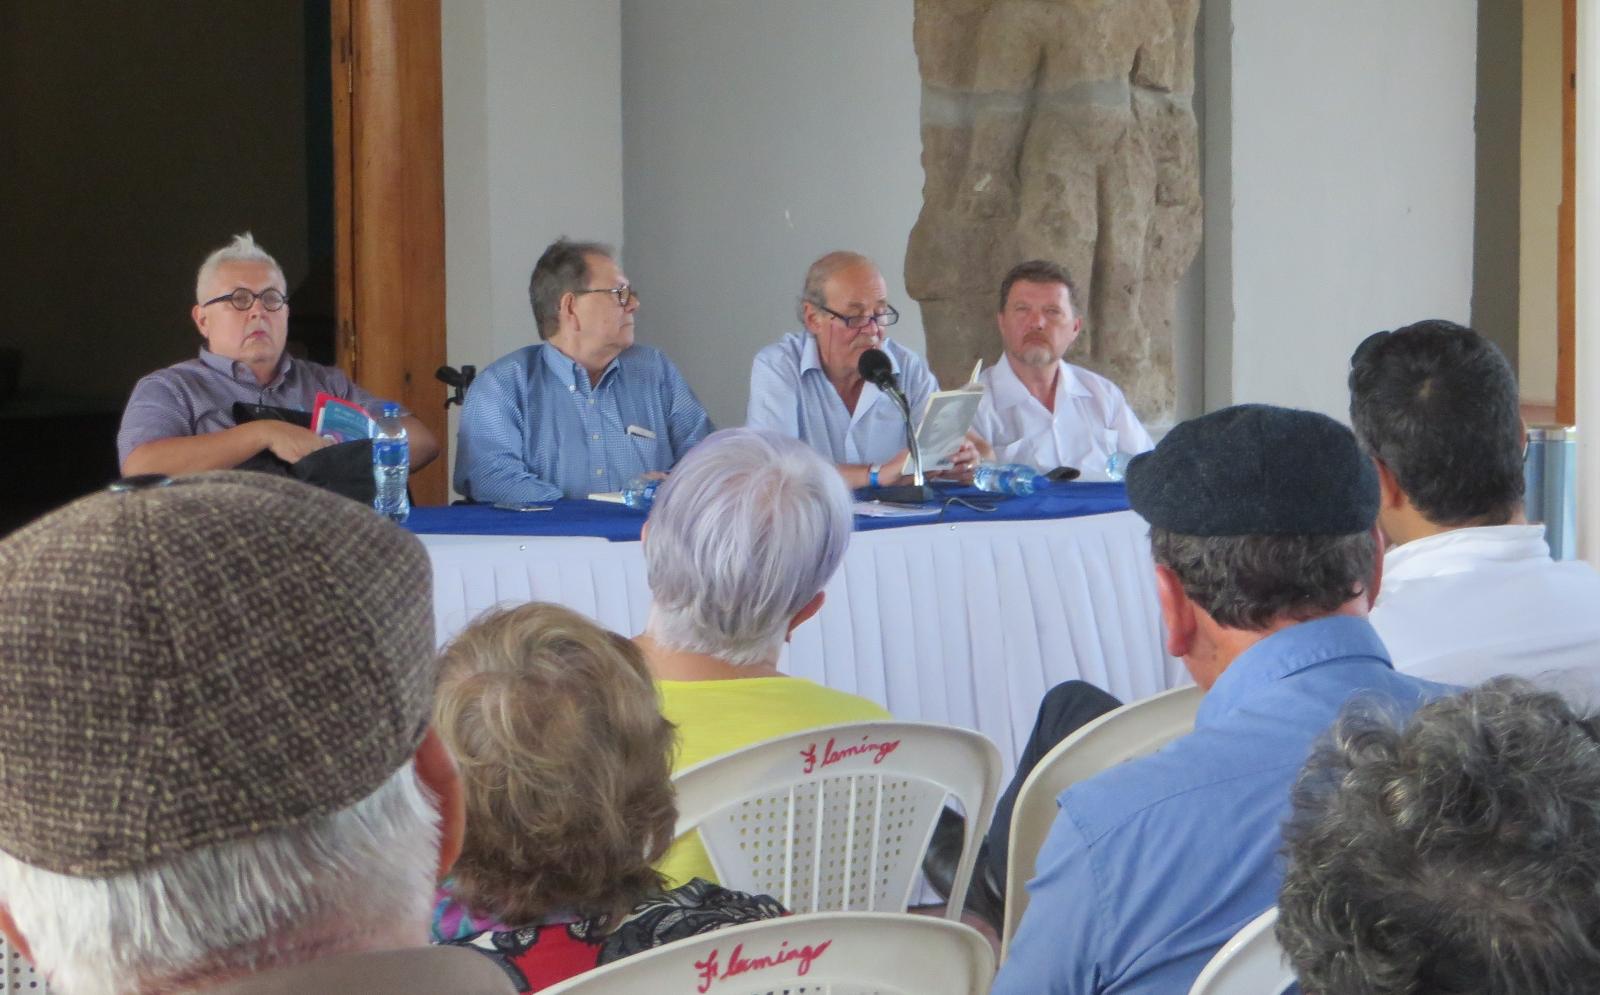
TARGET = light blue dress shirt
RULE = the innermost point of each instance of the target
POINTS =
(1153, 865)
(534, 429)
(790, 393)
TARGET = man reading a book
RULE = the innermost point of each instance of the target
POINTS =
(182, 420)
(1038, 408)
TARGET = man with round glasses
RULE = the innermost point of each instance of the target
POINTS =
(181, 419)
(806, 384)
(586, 409)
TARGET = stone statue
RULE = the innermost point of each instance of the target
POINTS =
(1063, 130)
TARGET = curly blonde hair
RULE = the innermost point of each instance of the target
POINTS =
(566, 762)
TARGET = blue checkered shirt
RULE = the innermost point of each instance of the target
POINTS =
(790, 393)
(534, 429)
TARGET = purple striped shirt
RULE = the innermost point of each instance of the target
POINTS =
(197, 396)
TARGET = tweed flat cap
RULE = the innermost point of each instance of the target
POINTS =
(1255, 469)
(201, 662)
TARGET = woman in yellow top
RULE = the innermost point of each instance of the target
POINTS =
(742, 538)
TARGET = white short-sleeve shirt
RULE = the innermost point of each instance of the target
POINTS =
(1091, 421)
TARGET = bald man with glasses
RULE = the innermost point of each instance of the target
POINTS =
(583, 411)
(181, 419)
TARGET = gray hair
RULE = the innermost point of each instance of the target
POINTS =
(1457, 853)
(237, 906)
(747, 529)
(243, 249)
(563, 269)
(818, 274)
(1249, 582)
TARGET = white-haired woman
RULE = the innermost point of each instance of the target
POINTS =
(742, 538)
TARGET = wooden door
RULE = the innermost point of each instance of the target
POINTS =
(388, 146)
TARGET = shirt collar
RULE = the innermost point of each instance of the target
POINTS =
(1287, 652)
(241, 372)
(1460, 550)
(1066, 382)
(571, 372)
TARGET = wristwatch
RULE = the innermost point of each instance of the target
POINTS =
(872, 474)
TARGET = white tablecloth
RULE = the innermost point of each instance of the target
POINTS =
(966, 624)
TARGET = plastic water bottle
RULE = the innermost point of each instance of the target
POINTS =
(1117, 465)
(391, 465)
(1015, 479)
(640, 492)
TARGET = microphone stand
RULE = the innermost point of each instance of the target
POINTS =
(918, 491)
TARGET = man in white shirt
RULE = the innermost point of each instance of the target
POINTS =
(1037, 408)
(1469, 588)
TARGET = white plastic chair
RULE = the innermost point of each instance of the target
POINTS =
(1251, 963)
(1134, 730)
(838, 818)
(19, 975)
(825, 953)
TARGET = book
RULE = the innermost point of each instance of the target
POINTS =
(340, 420)
(945, 421)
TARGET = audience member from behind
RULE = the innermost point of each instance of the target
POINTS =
(740, 542)
(1037, 408)
(1262, 530)
(1469, 588)
(1456, 853)
(566, 761)
(584, 410)
(181, 419)
(216, 769)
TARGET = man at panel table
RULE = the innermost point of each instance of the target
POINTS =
(1262, 530)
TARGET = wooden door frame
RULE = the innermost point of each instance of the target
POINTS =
(388, 149)
(1566, 225)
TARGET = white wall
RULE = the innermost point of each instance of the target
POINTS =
(1351, 161)
(756, 137)
(532, 151)
(1541, 198)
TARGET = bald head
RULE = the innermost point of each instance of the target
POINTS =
(815, 291)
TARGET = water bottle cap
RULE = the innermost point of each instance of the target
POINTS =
(391, 409)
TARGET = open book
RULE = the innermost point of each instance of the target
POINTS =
(945, 422)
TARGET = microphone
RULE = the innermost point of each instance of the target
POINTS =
(875, 368)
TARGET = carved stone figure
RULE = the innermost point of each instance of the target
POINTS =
(1063, 130)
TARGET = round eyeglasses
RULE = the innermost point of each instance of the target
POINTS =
(243, 298)
(856, 322)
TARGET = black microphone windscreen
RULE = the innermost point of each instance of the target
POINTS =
(874, 367)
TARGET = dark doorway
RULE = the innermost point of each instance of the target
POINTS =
(135, 138)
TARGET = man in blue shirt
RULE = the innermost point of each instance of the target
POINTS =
(583, 411)
(1266, 563)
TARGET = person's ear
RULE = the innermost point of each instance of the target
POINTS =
(1375, 584)
(198, 313)
(436, 769)
(1390, 496)
(809, 609)
(8, 929)
(1177, 612)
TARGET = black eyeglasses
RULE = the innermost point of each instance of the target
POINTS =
(243, 298)
(624, 294)
(883, 319)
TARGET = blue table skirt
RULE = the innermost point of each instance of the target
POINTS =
(621, 524)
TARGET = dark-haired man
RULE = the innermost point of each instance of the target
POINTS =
(1261, 526)
(1470, 590)
(1038, 408)
(585, 410)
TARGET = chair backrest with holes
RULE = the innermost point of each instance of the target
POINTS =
(1133, 730)
(1251, 963)
(19, 975)
(837, 818)
(836, 953)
